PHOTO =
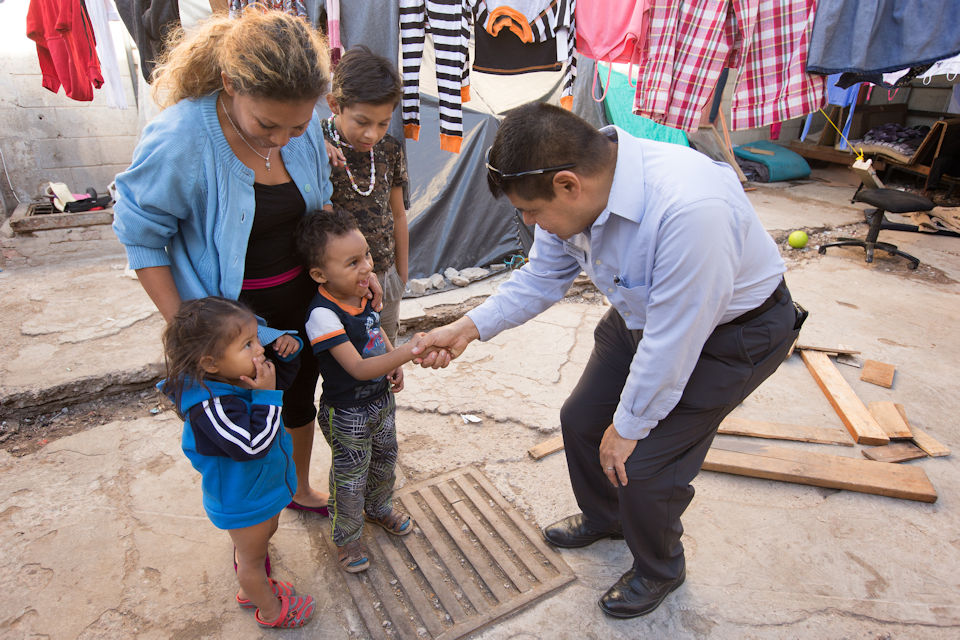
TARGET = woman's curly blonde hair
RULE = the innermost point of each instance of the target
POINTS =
(262, 53)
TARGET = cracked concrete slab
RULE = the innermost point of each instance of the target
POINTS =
(105, 536)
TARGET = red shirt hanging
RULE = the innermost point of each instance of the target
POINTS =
(66, 47)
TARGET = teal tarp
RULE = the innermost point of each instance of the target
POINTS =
(618, 105)
(784, 164)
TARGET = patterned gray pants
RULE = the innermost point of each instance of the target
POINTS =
(363, 442)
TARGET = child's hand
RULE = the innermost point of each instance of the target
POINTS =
(334, 155)
(285, 345)
(395, 378)
(266, 376)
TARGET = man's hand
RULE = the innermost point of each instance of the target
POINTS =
(447, 342)
(375, 293)
(266, 376)
(614, 451)
(285, 345)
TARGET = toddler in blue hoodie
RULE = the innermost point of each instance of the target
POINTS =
(225, 389)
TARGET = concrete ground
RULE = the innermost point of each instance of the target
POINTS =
(104, 535)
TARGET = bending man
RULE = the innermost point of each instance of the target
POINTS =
(699, 317)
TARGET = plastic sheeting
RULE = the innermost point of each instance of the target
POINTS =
(454, 220)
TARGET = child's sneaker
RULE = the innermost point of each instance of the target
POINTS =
(353, 557)
(295, 611)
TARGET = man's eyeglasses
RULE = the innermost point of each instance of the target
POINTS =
(498, 176)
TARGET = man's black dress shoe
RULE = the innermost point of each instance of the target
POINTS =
(573, 531)
(634, 595)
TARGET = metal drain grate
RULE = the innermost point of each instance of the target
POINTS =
(471, 560)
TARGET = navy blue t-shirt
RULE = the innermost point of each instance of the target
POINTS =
(330, 323)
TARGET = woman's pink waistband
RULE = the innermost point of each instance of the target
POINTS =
(272, 281)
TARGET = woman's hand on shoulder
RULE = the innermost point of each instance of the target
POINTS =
(334, 155)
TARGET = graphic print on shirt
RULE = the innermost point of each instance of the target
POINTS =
(375, 345)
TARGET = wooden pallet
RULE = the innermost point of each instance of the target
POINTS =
(471, 560)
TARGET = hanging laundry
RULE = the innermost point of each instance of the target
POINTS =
(840, 97)
(448, 23)
(690, 41)
(66, 47)
(293, 7)
(949, 67)
(551, 19)
(882, 35)
(148, 21)
(612, 30)
(101, 12)
(506, 54)
(333, 31)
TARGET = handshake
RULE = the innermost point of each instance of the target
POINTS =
(435, 350)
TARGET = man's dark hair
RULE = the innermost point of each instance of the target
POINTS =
(364, 77)
(538, 135)
(315, 230)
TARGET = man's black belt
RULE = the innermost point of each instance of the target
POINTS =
(778, 294)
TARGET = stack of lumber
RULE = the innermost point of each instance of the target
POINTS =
(882, 426)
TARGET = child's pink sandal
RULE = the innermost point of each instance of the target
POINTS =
(295, 611)
(279, 589)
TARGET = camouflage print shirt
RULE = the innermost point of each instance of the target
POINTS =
(373, 212)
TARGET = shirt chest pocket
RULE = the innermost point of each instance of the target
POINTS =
(635, 300)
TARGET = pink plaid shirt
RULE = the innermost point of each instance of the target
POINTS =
(690, 41)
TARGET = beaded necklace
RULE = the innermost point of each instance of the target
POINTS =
(333, 133)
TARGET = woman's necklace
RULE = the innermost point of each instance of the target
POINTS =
(332, 132)
(266, 158)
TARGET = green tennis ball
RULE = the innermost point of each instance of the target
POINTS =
(797, 239)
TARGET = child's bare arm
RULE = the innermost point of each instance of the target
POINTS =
(373, 367)
(401, 233)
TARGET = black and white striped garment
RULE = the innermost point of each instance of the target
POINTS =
(448, 23)
(226, 426)
(551, 19)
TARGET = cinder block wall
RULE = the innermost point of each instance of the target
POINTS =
(47, 137)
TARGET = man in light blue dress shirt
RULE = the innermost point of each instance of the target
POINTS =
(699, 317)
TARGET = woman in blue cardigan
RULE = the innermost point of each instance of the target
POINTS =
(220, 179)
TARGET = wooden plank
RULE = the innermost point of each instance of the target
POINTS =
(895, 452)
(780, 431)
(890, 420)
(820, 152)
(762, 152)
(922, 439)
(845, 402)
(879, 373)
(30, 223)
(546, 447)
(820, 470)
(836, 350)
